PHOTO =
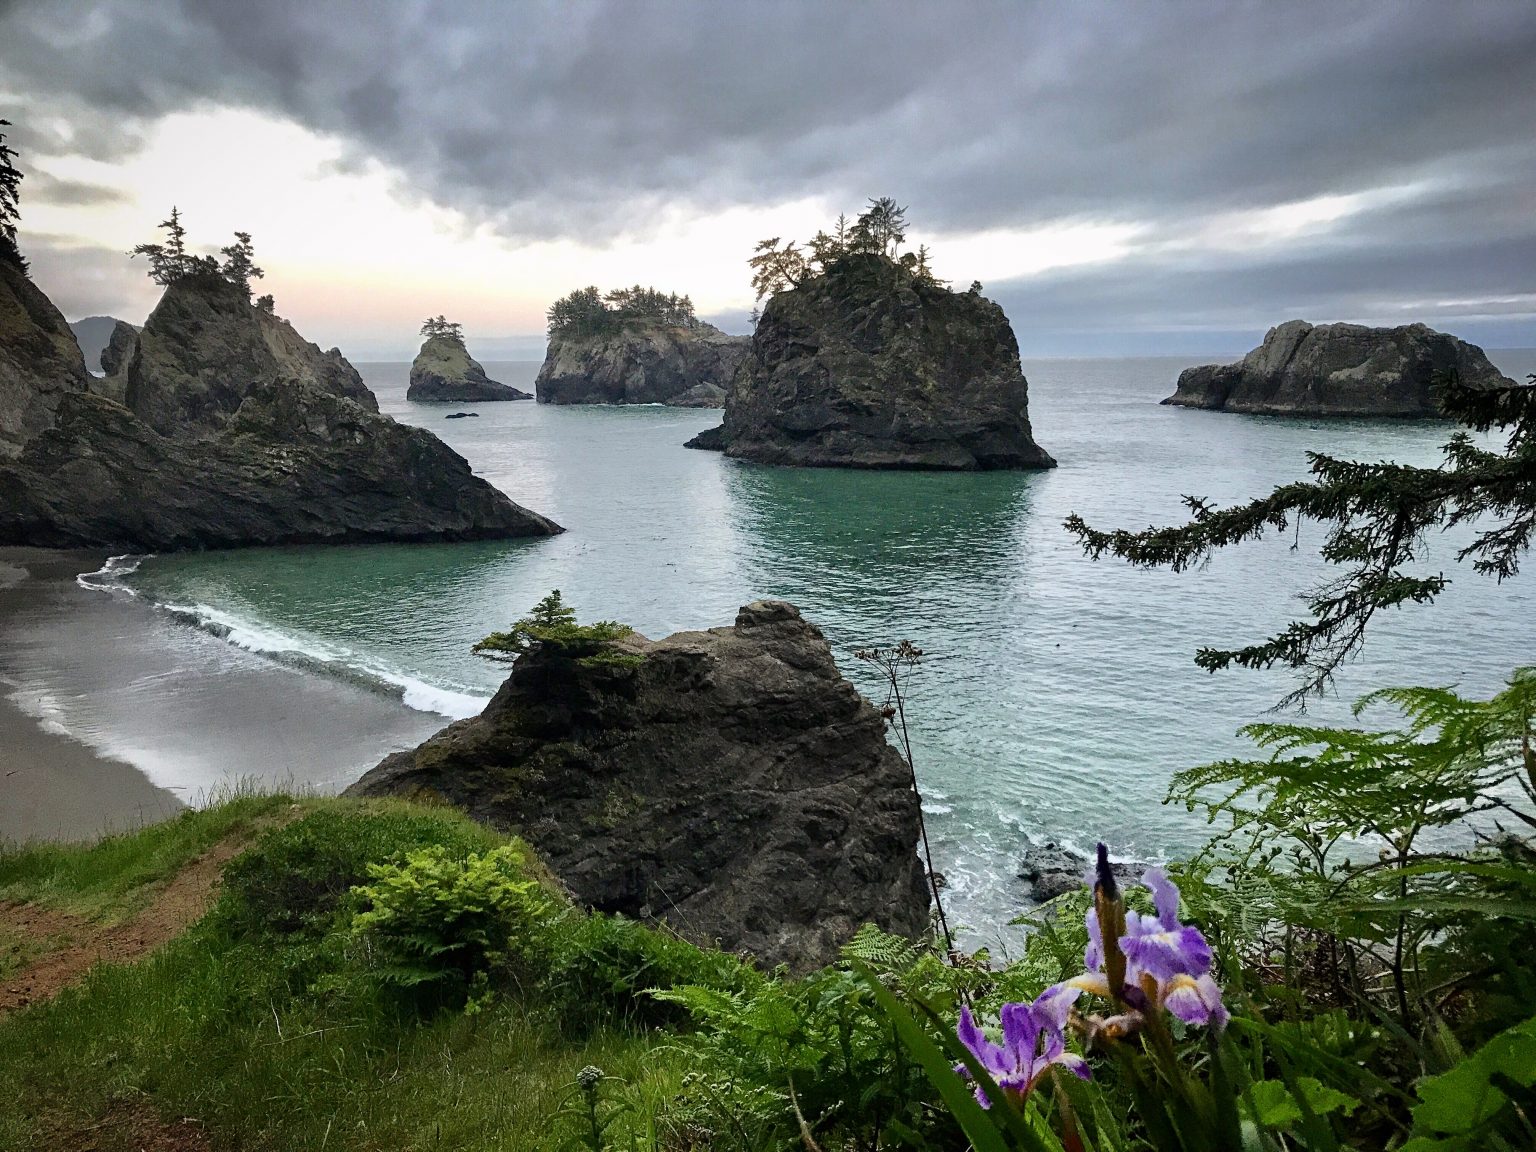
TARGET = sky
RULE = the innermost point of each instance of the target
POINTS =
(1128, 177)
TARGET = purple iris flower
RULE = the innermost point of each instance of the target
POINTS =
(1164, 958)
(1033, 1041)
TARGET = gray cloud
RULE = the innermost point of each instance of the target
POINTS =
(40, 186)
(582, 118)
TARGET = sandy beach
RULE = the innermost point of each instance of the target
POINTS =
(114, 714)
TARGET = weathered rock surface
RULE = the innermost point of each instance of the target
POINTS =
(297, 460)
(93, 333)
(641, 362)
(1053, 870)
(119, 348)
(444, 371)
(868, 366)
(1339, 370)
(295, 465)
(732, 784)
(40, 363)
(204, 347)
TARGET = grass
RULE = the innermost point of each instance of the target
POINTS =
(260, 1024)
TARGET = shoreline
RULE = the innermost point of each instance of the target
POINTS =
(114, 714)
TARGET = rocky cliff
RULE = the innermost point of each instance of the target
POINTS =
(295, 465)
(1338, 370)
(40, 363)
(290, 459)
(641, 362)
(731, 783)
(203, 348)
(869, 366)
(445, 371)
(119, 347)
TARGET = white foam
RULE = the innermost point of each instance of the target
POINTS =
(315, 655)
(109, 577)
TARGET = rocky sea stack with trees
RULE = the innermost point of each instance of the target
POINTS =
(1303, 369)
(862, 358)
(635, 346)
(445, 372)
(222, 428)
(730, 783)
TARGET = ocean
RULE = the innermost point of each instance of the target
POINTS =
(1056, 697)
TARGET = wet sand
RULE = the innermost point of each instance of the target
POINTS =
(113, 713)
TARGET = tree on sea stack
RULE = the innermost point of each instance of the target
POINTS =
(10, 202)
(239, 269)
(439, 327)
(1378, 516)
(551, 626)
(779, 265)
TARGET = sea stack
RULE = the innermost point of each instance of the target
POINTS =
(40, 363)
(641, 360)
(871, 363)
(236, 431)
(731, 783)
(1339, 370)
(445, 372)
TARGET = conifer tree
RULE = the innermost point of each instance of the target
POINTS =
(10, 202)
(239, 269)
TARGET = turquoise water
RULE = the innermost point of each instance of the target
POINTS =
(1058, 695)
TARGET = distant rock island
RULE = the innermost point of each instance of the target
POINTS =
(635, 346)
(1339, 370)
(862, 359)
(731, 783)
(94, 335)
(233, 430)
(445, 372)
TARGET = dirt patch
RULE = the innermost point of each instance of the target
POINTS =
(128, 1126)
(182, 901)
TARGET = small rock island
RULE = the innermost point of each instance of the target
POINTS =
(1339, 370)
(864, 359)
(221, 427)
(635, 346)
(445, 372)
(731, 783)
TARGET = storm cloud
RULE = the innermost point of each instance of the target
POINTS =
(585, 119)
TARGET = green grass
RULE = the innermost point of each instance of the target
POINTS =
(261, 1023)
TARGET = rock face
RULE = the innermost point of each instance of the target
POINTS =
(732, 784)
(444, 371)
(40, 363)
(641, 362)
(295, 465)
(296, 458)
(867, 366)
(93, 334)
(203, 348)
(119, 348)
(1338, 370)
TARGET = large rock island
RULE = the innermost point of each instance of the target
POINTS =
(641, 361)
(1339, 370)
(728, 782)
(445, 372)
(234, 431)
(871, 363)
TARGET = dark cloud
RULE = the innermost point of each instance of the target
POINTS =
(46, 189)
(583, 118)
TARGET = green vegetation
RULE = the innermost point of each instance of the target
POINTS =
(170, 261)
(778, 266)
(552, 626)
(590, 311)
(10, 202)
(440, 327)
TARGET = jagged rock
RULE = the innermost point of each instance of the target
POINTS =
(461, 416)
(641, 362)
(444, 371)
(40, 363)
(203, 348)
(93, 333)
(119, 347)
(295, 465)
(869, 366)
(1338, 370)
(1053, 870)
(732, 784)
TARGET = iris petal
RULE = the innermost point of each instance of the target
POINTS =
(1182, 951)
(1165, 896)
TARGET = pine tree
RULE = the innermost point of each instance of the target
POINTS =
(170, 262)
(239, 269)
(10, 202)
